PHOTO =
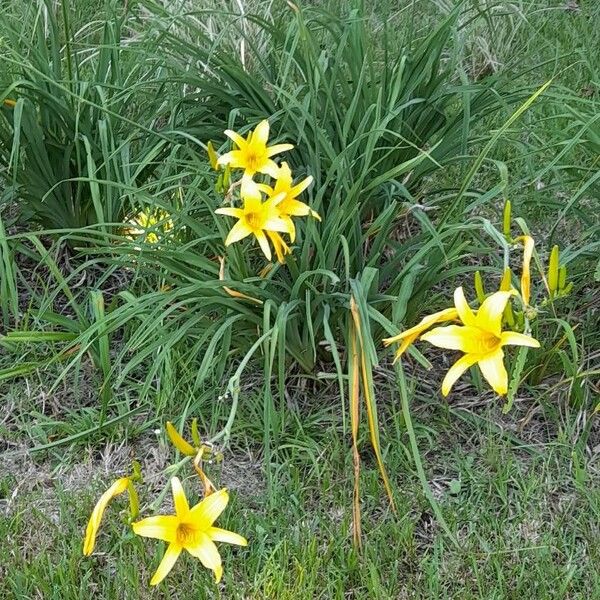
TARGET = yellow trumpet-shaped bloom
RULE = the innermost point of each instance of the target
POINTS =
(408, 337)
(118, 487)
(190, 529)
(481, 339)
(255, 218)
(290, 206)
(253, 155)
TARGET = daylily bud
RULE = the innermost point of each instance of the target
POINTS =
(195, 433)
(179, 443)
(212, 156)
(528, 245)
(553, 275)
(562, 277)
(134, 501)
(505, 284)
(506, 218)
(226, 177)
(479, 290)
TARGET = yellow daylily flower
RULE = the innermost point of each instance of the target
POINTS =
(190, 529)
(9, 103)
(481, 339)
(253, 155)
(408, 337)
(255, 218)
(290, 206)
(118, 487)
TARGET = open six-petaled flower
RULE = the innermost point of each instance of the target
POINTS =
(190, 529)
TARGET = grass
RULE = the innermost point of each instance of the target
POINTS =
(105, 358)
(526, 522)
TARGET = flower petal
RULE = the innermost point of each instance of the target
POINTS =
(182, 507)
(229, 537)
(281, 248)
(235, 159)
(207, 552)
(236, 137)
(250, 190)
(261, 134)
(300, 187)
(462, 306)
(229, 211)
(492, 368)
(456, 370)
(263, 243)
(238, 232)
(161, 527)
(177, 441)
(284, 176)
(269, 168)
(512, 338)
(291, 231)
(456, 337)
(206, 512)
(448, 314)
(404, 345)
(489, 315)
(118, 487)
(166, 564)
(278, 148)
(293, 207)
(281, 224)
